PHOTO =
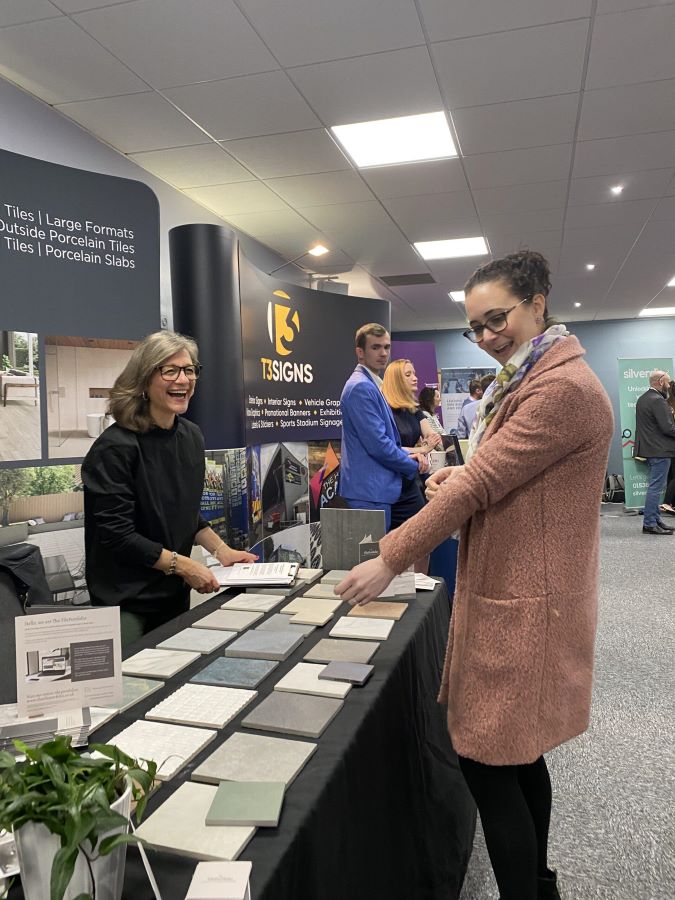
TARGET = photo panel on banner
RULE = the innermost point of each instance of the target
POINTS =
(455, 391)
(20, 368)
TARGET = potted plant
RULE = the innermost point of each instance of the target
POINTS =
(70, 816)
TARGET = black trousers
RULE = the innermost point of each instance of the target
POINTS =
(514, 803)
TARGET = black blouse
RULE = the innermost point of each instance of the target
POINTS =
(408, 425)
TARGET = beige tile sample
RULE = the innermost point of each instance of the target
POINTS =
(301, 604)
(322, 592)
(303, 678)
(343, 650)
(379, 609)
(228, 620)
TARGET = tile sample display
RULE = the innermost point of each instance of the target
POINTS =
(202, 704)
(253, 602)
(280, 622)
(379, 609)
(354, 673)
(256, 803)
(362, 628)
(293, 714)
(231, 672)
(311, 617)
(343, 530)
(158, 663)
(321, 592)
(255, 757)
(179, 826)
(304, 679)
(198, 639)
(265, 645)
(305, 604)
(228, 620)
(170, 746)
(330, 649)
(335, 576)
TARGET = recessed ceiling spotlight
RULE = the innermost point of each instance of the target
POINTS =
(405, 139)
(318, 250)
(616, 189)
(451, 249)
(457, 296)
(590, 266)
(671, 283)
(658, 311)
(577, 305)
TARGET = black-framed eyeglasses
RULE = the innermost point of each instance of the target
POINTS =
(171, 373)
(495, 324)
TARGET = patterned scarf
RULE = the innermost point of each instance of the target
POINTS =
(510, 376)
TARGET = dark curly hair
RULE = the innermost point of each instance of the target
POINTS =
(525, 274)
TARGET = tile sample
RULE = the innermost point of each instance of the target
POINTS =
(256, 803)
(342, 530)
(220, 881)
(170, 746)
(200, 640)
(379, 609)
(310, 575)
(179, 826)
(330, 649)
(281, 591)
(280, 622)
(305, 604)
(354, 673)
(311, 617)
(253, 602)
(293, 714)
(135, 689)
(362, 628)
(202, 704)
(228, 620)
(231, 672)
(321, 592)
(304, 679)
(158, 663)
(335, 576)
(255, 757)
(265, 645)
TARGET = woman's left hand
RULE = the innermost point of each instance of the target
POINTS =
(226, 556)
(365, 582)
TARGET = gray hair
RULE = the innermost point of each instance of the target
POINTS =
(656, 375)
(128, 404)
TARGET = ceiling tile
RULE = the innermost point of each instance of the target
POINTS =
(309, 31)
(454, 273)
(523, 123)
(512, 167)
(606, 254)
(235, 199)
(637, 185)
(665, 212)
(634, 153)
(433, 177)
(478, 70)
(435, 216)
(629, 109)
(632, 46)
(545, 242)
(521, 197)
(72, 6)
(192, 166)
(297, 153)
(594, 240)
(514, 223)
(135, 122)
(380, 86)
(283, 230)
(58, 62)
(245, 107)
(170, 42)
(317, 190)
(15, 12)
(602, 215)
(610, 6)
(461, 18)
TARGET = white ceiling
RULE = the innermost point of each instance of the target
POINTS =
(229, 101)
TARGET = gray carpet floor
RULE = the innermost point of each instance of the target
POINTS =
(613, 821)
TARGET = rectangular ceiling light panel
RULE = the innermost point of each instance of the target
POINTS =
(658, 311)
(473, 246)
(388, 142)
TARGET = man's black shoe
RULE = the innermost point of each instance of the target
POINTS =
(655, 529)
(666, 527)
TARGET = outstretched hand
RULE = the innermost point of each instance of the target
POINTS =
(365, 582)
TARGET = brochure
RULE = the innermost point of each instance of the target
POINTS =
(240, 574)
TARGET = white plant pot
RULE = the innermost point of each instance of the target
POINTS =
(36, 847)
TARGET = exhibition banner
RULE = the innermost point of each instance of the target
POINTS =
(422, 354)
(633, 383)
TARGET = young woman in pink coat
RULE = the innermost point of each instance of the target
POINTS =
(518, 671)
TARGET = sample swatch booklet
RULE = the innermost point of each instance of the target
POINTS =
(242, 574)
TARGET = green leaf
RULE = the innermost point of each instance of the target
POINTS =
(114, 840)
(62, 871)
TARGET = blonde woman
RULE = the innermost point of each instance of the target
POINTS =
(143, 481)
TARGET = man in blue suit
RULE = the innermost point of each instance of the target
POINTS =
(372, 462)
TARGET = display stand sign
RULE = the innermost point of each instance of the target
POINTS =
(220, 881)
(455, 392)
(68, 660)
(633, 383)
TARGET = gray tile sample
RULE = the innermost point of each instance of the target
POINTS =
(303, 678)
(255, 757)
(201, 640)
(280, 622)
(329, 649)
(293, 714)
(253, 602)
(256, 803)
(353, 673)
(265, 645)
(232, 672)
(362, 628)
(228, 620)
(342, 530)
(158, 663)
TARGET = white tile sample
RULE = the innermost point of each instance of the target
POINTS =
(170, 746)
(228, 620)
(202, 704)
(293, 714)
(254, 602)
(304, 679)
(310, 574)
(322, 591)
(255, 757)
(158, 663)
(305, 604)
(362, 628)
(201, 640)
(330, 649)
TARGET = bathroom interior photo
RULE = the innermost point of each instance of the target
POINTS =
(19, 396)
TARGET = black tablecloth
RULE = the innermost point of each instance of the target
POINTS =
(379, 811)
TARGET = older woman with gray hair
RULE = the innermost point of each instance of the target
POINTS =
(143, 481)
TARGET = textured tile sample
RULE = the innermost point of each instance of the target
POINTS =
(228, 620)
(253, 602)
(335, 576)
(255, 757)
(158, 663)
(179, 826)
(170, 746)
(379, 609)
(201, 640)
(202, 704)
(256, 803)
(293, 714)
(330, 649)
(280, 622)
(305, 604)
(265, 645)
(354, 673)
(304, 679)
(231, 672)
(362, 628)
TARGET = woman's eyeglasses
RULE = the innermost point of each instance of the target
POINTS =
(495, 324)
(171, 373)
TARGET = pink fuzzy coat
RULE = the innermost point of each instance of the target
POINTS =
(518, 671)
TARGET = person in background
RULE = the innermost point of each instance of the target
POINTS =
(429, 401)
(143, 481)
(475, 392)
(655, 442)
(668, 505)
(518, 672)
(469, 410)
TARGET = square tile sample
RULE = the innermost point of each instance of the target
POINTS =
(265, 645)
(354, 673)
(280, 622)
(321, 592)
(335, 576)
(314, 604)
(238, 673)
(253, 602)
(379, 609)
(304, 679)
(202, 704)
(256, 803)
(293, 714)
(362, 629)
(170, 746)
(228, 620)
(310, 575)
(158, 663)
(330, 649)
(255, 757)
(179, 826)
(311, 617)
(201, 640)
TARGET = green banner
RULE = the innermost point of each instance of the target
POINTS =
(633, 383)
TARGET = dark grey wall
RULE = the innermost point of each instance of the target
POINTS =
(604, 342)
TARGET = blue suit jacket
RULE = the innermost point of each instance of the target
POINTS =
(372, 463)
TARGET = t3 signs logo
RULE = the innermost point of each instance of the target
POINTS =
(283, 326)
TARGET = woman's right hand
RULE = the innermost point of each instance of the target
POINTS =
(198, 576)
(434, 482)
